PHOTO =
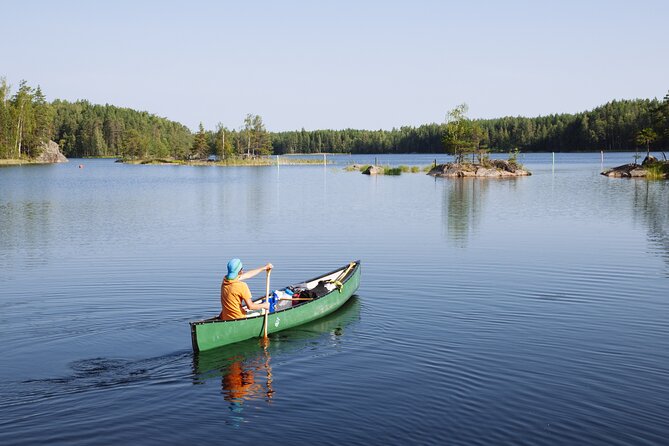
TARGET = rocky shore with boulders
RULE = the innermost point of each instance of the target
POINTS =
(651, 167)
(51, 154)
(491, 169)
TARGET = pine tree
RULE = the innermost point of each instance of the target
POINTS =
(200, 148)
(23, 119)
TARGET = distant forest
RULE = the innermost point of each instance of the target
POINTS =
(612, 127)
(83, 129)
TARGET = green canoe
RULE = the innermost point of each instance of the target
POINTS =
(329, 291)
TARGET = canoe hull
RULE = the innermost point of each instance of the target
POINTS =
(209, 334)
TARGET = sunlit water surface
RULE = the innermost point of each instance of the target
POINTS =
(527, 311)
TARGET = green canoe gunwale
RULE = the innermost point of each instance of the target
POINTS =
(212, 333)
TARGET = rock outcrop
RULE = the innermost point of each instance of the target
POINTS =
(494, 169)
(633, 170)
(626, 171)
(373, 170)
(51, 154)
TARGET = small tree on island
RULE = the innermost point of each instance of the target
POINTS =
(463, 136)
(645, 138)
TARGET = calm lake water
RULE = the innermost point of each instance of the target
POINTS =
(528, 311)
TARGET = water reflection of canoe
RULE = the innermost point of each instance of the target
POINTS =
(217, 362)
(330, 292)
(245, 370)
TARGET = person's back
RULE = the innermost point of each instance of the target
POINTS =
(233, 293)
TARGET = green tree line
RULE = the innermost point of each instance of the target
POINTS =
(614, 126)
(83, 129)
(423, 139)
(27, 121)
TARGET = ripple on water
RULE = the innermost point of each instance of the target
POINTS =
(523, 312)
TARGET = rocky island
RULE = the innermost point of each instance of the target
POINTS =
(650, 168)
(485, 168)
(489, 169)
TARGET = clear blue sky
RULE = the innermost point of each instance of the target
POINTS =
(338, 64)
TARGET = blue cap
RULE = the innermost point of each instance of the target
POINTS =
(234, 267)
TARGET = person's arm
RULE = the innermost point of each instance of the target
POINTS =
(255, 306)
(254, 272)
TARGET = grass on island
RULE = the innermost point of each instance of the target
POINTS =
(658, 170)
(392, 170)
(16, 162)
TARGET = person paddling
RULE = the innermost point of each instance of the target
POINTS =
(234, 291)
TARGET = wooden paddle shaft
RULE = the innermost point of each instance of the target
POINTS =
(342, 275)
(266, 300)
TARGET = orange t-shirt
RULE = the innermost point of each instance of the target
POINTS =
(232, 296)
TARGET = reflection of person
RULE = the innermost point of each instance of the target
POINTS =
(234, 291)
(237, 382)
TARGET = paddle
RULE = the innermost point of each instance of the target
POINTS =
(337, 281)
(296, 298)
(266, 300)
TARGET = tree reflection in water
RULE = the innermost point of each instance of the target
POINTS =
(463, 202)
(651, 201)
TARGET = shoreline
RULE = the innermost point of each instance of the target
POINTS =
(19, 162)
(267, 161)
(284, 159)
